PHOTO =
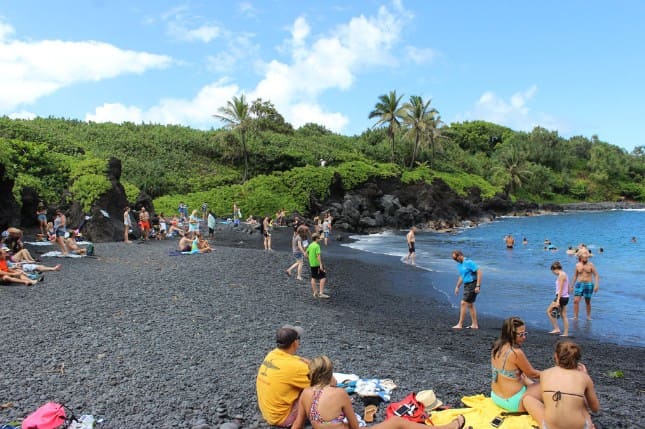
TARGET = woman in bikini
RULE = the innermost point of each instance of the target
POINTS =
(567, 390)
(323, 399)
(511, 387)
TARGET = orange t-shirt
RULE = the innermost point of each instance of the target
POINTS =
(3, 266)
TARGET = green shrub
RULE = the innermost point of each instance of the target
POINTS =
(87, 188)
(131, 191)
(459, 182)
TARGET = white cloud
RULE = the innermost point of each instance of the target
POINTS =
(205, 33)
(514, 112)
(318, 63)
(237, 49)
(31, 70)
(23, 114)
(420, 55)
(303, 113)
(246, 8)
(329, 62)
(6, 31)
(197, 112)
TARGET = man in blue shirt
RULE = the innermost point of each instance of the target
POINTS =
(471, 277)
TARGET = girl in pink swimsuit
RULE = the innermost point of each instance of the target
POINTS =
(560, 302)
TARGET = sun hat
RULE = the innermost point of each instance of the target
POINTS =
(429, 399)
(286, 335)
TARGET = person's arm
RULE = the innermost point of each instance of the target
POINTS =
(302, 249)
(459, 281)
(524, 365)
(574, 279)
(596, 277)
(590, 396)
(479, 280)
(299, 422)
(348, 410)
(560, 291)
(319, 256)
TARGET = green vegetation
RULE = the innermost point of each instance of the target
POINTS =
(264, 164)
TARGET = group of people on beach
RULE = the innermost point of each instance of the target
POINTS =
(292, 389)
(584, 284)
(564, 394)
(304, 243)
(17, 265)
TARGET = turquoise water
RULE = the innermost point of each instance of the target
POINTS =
(519, 281)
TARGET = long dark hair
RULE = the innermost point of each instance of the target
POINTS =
(507, 335)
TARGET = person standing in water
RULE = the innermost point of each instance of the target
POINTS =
(586, 280)
(561, 300)
(410, 237)
(471, 277)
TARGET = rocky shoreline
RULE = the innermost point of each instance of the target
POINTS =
(141, 339)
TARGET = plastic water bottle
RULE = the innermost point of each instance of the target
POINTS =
(84, 422)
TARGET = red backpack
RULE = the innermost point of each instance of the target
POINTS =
(408, 408)
(48, 416)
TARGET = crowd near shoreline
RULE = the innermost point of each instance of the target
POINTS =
(140, 338)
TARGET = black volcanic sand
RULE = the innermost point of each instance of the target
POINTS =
(141, 339)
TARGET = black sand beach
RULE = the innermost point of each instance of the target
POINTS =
(141, 339)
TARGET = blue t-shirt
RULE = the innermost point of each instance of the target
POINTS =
(468, 271)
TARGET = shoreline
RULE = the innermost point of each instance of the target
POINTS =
(151, 340)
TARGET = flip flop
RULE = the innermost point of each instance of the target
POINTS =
(370, 411)
(471, 327)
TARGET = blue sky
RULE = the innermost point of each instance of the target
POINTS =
(572, 66)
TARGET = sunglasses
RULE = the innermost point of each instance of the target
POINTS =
(522, 334)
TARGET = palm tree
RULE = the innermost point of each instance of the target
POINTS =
(388, 111)
(513, 167)
(418, 117)
(236, 116)
(434, 133)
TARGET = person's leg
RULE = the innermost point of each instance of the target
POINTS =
(401, 423)
(553, 320)
(313, 287)
(292, 267)
(565, 321)
(462, 314)
(61, 244)
(44, 268)
(322, 285)
(532, 402)
(588, 305)
(299, 270)
(576, 306)
(473, 316)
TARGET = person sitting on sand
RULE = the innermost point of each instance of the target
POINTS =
(28, 267)
(185, 244)
(9, 275)
(327, 406)
(72, 246)
(174, 227)
(202, 244)
(511, 387)
(281, 378)
(567, 390)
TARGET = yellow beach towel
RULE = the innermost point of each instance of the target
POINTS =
(481, 412)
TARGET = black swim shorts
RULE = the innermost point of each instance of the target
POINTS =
(317, 273)
(411, 247)
(469, 292)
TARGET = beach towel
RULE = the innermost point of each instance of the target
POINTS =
(178, 253)
(481, 412)
(367, 387)
(58, 254)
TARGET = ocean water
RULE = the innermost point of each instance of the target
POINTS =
(519, 281)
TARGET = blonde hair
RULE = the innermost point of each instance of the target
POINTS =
(321, 371)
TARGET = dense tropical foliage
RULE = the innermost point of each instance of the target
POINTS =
(261, 161)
